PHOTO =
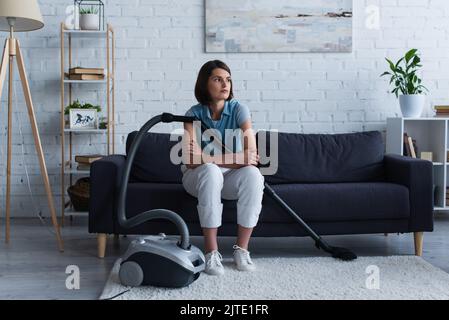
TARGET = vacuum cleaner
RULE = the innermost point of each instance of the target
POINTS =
(156, 260)
(159, 261)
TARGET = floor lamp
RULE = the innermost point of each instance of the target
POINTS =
(22, 15)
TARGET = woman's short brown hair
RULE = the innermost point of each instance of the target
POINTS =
(201, 91)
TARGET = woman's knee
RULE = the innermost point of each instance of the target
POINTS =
(211, 172)
(252, 176)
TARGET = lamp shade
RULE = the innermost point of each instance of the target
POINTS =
(26, 13)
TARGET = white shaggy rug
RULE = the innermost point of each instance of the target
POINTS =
(396, 277)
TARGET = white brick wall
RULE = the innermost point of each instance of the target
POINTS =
(160, 48)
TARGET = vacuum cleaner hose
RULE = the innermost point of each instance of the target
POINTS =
(156, 213)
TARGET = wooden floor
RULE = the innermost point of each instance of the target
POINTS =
(32, 268)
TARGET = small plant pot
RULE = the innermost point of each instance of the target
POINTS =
(89, 21)
(412, 105)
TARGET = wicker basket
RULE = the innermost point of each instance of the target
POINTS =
(79, 194)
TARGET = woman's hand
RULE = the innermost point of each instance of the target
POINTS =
(247, 158)
(194, 155)
(193, 149)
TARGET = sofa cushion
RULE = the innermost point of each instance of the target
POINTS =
(312, 202)
(339, 202)
(322, 158)
(152, 160)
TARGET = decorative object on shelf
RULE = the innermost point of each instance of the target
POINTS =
(84, 76)
(102, 123)
(410, 146)
(79, 194)
(84, 161)
(79, 73)
(441, 110)
(278, 26)
(91, 14)
(88, 158)
(77, 105)
(20, 16)
(83, 119)
(408, 84)
(425, 155)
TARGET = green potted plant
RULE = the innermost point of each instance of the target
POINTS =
(407, 84)
(89, 19)
(103, 124)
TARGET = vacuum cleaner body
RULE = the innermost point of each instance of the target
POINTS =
(161, 262)
(156, 260)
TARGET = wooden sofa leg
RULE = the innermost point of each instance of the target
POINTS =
(418, 243)
(101, 242)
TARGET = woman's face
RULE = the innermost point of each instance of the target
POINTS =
(219, 84)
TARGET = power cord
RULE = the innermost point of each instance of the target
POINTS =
(33, 201)
(117, 295)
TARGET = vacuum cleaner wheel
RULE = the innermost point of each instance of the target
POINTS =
(131, 274)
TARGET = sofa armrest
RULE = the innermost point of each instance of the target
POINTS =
(417, 176)
(105, 176)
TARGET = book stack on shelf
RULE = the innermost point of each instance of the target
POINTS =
(410, 146)
(442, 110)
(79, 73)
(84, 161)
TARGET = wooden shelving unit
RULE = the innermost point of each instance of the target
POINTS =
(431, 135)
(67, 156)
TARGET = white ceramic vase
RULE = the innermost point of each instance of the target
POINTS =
(412, 105)
(89, 21)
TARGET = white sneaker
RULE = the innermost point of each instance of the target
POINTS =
(242, 259)
(213, 263)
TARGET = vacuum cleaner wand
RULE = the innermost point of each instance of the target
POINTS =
(336, 252)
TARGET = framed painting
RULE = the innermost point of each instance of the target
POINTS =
(83, 119)
(278, 26)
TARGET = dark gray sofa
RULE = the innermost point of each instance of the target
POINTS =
(339, 184)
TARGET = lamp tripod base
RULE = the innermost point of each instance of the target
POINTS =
(11, 50)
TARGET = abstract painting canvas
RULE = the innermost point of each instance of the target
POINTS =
(278, 26)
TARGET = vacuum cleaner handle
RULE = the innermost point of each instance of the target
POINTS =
(156, 213)
(168, 117)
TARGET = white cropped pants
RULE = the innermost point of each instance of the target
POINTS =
(209, 184)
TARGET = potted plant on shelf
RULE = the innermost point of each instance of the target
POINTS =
(407, 84)
(89, 19)
(103, 123)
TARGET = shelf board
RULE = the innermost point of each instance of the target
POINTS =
(86, 33)
(76, 171)
(85, 81)
(86, 130)
(72, 212)
(428, 118)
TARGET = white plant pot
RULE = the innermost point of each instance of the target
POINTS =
(412, 105)
(89, 21)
